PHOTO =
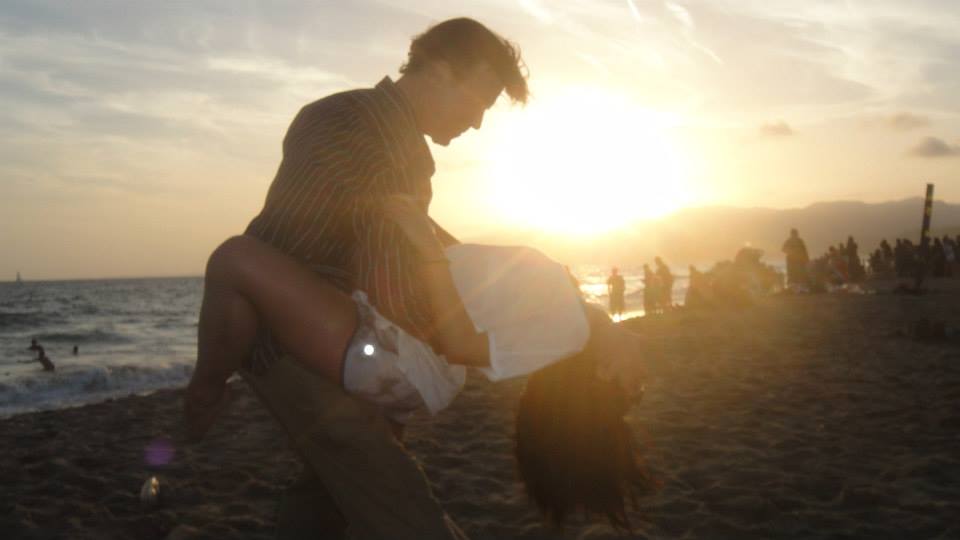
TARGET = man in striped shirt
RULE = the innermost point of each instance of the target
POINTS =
(343, 156)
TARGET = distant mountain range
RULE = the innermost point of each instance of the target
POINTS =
(708, 234)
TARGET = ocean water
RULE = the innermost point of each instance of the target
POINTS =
(133, 335)
(137, 335)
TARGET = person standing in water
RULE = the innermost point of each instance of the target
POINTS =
(615, 290)
(41, 356)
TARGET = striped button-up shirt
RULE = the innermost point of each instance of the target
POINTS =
(342, 156)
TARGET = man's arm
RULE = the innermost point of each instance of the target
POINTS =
(451, 331)
(458, 332)
(415, 290)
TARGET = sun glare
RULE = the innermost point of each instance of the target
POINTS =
(586, 162)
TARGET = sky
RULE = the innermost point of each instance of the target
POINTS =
(134, 137)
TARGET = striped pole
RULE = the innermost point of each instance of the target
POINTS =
(925, 236)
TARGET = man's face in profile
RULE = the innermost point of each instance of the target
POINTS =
(461, 102)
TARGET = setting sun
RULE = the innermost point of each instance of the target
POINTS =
(585, 162)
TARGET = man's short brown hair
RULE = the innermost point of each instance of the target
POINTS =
(463, 43)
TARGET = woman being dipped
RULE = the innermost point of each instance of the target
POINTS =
(509, 311)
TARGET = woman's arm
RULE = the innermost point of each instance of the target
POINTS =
(453, 332)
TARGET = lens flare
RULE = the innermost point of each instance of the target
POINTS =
(159, 452)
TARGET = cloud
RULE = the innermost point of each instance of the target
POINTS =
(92, 92)
(537, 10)
(932, 147)
(776, 129)
(901, 121)
(683, 16)
(795, 67)
(905, 121)
(635, 12)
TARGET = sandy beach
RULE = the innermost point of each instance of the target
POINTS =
(801, 417)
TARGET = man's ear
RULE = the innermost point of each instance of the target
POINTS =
(440, 72)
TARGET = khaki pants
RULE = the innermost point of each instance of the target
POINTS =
(348, 446)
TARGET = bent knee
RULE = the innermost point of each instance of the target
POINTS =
(232, 255)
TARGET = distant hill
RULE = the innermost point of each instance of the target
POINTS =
(707, 234)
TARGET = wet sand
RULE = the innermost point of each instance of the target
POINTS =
(802, 417)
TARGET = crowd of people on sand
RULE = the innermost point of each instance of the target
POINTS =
(841, 265)
(657, 287)
(727, 284)
(902, 258)
(736, 283)
(732, 284)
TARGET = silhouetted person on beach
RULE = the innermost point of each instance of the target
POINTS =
(938, 259)
(897, 255)
(875, 263)
(854, 265)
(615, 290)
(797, 259)
(905, 258)
(697, 290)
(818, 274)
(917, 254)
(837, 264)
(949, 254)
(76, 350)
(887, 253)
(651, 291)
(665, 284)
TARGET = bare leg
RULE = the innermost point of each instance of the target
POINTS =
(248, 285)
